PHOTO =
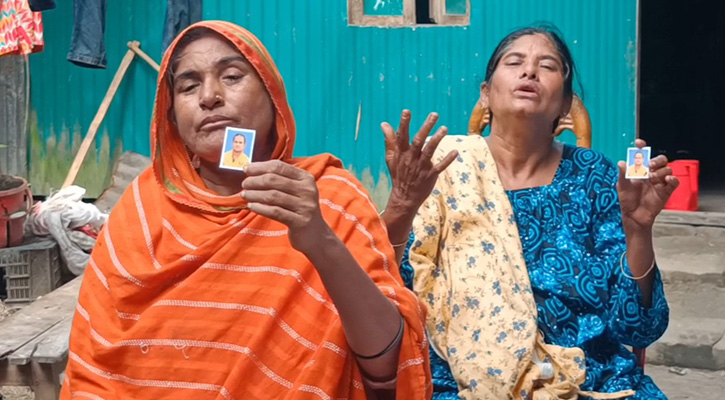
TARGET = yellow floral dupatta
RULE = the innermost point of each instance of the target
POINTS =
(470, 272)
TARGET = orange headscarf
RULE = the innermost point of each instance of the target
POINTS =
(190, 295)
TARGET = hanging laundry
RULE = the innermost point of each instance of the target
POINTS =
(89, 26)
(179, 15)
(41, 5)
(87, 47)
(21, 29)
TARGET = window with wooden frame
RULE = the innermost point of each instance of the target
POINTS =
(402, 13)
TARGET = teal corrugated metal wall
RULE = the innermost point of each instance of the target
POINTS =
(65, 97)
(330, 68)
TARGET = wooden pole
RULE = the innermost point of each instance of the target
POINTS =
(100, 114)
(134, 46)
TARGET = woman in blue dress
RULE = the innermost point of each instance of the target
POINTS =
(585, 231)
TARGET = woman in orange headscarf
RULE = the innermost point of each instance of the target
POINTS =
(276, 283)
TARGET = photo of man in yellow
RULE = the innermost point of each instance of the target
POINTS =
(638, 167)
(235, 158)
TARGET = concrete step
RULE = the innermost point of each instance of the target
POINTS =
(690, 250)
(688, 384)
(690, 254)
(695, 337)
(691, 343)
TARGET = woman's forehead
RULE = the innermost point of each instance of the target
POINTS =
(210, 49)
(535, 44)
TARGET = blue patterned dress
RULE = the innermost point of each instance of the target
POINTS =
(572, 236)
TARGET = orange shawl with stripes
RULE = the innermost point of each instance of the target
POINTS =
(189, 295)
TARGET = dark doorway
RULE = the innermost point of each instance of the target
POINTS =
(682, 87)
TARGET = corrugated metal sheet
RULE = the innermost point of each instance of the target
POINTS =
(13, 158)
(65, 97)
(331, 68)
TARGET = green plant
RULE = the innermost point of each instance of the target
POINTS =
(51, 157)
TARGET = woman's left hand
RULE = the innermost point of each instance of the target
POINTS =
(289, 195)
(642, 200)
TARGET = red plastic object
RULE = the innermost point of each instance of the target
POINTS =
(641, 357)
(685, 197)
(15, 205)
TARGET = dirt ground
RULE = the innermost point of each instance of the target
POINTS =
(695, 384)
(8, 182)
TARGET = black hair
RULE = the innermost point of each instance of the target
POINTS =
(555, 37)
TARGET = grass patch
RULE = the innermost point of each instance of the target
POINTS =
(379, 191)
(51, 159)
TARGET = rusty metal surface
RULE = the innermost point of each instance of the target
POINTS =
(13, 122)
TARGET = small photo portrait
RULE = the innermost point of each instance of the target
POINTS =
(638, 163)
(238, 148)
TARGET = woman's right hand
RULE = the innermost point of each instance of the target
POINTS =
(412, 171)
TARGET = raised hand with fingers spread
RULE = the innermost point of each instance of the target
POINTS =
(413, 173)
